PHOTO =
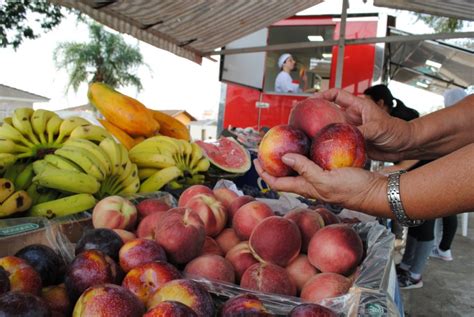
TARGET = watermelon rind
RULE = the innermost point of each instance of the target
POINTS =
(241, 169)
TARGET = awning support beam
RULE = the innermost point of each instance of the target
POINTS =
(341, 45)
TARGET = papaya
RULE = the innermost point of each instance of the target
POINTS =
(170, 126)
(123, 111)
(118, 133)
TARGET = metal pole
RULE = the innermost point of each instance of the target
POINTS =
(341, 45)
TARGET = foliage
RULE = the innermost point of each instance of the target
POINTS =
(442, 24)
(105, 58)
(20, 19)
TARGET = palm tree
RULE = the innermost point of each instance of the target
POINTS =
(105, 58)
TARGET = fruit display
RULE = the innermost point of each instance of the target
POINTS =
(12, 201)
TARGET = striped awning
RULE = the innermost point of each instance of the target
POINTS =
(188, 28)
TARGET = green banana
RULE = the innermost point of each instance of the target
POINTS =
(33, 193)
(52, 127)
(82, 158)
(113, 151)
(6, 160)
(21, 121)
(90, 132)
(39, 119)
(7, 131)
(40, 165)
(47, 196)
(61, 162)
(8, 146)
(69, 181)
(6, 189)
(160, 179)
(25, 177)
(96, 151)
(68, 125)
(17, 202)
(13, 170)
(64, 206)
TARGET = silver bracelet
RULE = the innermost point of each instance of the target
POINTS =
(395, 201)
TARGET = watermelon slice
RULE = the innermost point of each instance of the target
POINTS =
(227, 154)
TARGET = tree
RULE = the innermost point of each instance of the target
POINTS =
(105, 58)
(442, 24)
(20, 19)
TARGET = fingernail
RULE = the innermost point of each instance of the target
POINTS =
(288, 160)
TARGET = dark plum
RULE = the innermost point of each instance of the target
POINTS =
(16, 304)
(4, 281)
(105, 240)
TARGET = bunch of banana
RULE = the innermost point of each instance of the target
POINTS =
(162, 160)
(12, 201)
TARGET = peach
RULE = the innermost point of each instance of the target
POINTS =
(300, 271)
(140, 251)
(125, 235)
(181, 233)
(187, 292)
(312, 114)
(90, 268)
(268, 278)
(336, 248)
(248, 217)
(227, 239)
(211, 212)
(311, 310)
(276, 240)
(211, 266)
(22, 276)
(308, 221)
(151, 205)
(170, 309)
(325, 285)
(244, 305)
(108, 300)
(192, 191)
(278, 141)
(241, 259)
(329, 217)
(211, 247)
(19, 304)
(114, 212)
(338, 145)
(146, 227)
(57, 299)
(236, 204)
(225, 196)
(145, 279)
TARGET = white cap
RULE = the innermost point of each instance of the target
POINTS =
(282, 59)
(454, 95)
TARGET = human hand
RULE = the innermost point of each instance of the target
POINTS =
(386, 136)
(350, 187)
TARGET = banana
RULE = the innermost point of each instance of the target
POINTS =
(69, 181)
(47, 196)
(13, 170)
(201, 166)
(144, 173)
(7, 131)
(152, 159)
(39, 119)
(94, 149)
(131, 177)
(90, 132)
(84, 159)
(68, 125)
(170, 126)
(196, 155)
(8, 120)
(131, 188)
(8, 146)
(25, 177)
(62, 163)
(19, 201)
(113, 151)
(125, 162)
(6, 189)
(6, 160)
(160, 146)
(21, 121)
(160, 179)
(195, 179)
(52, 127)
(33, 193)
(188, 150)
(64, 206)
(40, 165)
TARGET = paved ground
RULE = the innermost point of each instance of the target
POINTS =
(448, 287)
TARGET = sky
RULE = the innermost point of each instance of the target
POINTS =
(170, 82)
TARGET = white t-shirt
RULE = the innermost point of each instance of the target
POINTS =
(284, 83)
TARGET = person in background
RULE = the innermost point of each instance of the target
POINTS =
(283, 82)
(450, 223)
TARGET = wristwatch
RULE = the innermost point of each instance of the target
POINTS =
(395, 201)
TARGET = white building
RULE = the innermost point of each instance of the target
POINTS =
(13, 98)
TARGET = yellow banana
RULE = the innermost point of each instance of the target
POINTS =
(8, 146)
(62, 163)
(19, 201)
(6, 160)
(131, 188)
(113, 151)
(69, 181)
(144, 173)
(94, 149)
(21, 121)
(8, 120)
(160, 179)
(130, 178)
(7, 131)
(63, 206)
(25, 177)
(188, 150)
(39, 119)
(201, 166)
(196, 155)
(84, 159)
(53, 126)
(152, 159)
(68, 125)
(161, 145)
(90, 132)
(6, 189)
